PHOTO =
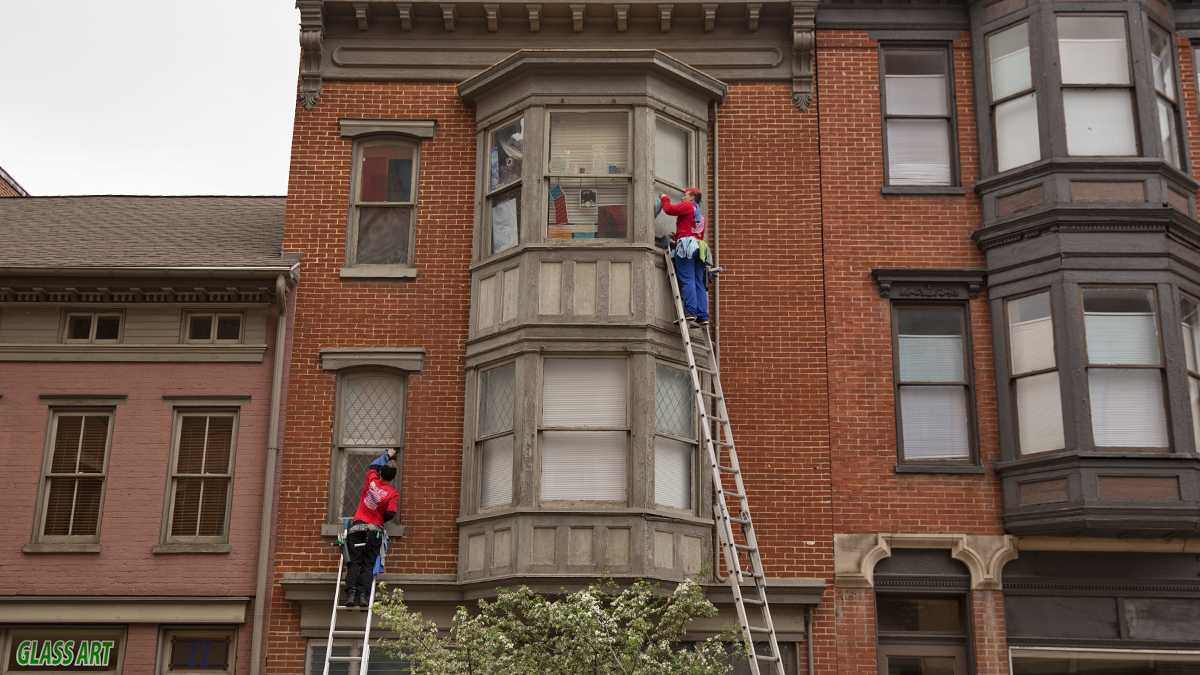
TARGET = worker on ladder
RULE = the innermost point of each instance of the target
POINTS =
(690, 254)
(377, 504)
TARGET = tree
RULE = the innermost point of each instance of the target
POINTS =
(601, 630)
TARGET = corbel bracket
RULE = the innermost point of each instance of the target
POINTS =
(577, 17)
(535, 17)
(710, 16)
(404, 11)
(360, 15)
(753, 10)
(312, 32)
(664, 17)
(804, 37)
(448, 14)
(493, 17)
(622, 14)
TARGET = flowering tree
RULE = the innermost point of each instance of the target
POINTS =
(601, 630)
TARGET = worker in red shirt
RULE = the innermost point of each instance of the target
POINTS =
(377, 504)
(690, 253)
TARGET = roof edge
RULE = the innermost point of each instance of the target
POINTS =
(7, 178)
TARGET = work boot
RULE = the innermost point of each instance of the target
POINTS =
(351, 598)
(364, 599)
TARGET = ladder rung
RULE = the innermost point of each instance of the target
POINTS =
(753, 602)
(710, 371)
(710, 394)
(743, 520)
(348, 633)
(758, 629)
(766, 657)
(751, 573)
(728, 469)
(745, 547)
(735, 495)
(345, 659)
(718, 420)
(355, 608)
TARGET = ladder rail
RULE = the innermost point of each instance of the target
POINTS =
(364, 656)
(337, 592)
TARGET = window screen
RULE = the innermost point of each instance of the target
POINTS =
(585, 429)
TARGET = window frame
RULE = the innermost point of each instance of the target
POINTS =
(629, 176)
(916, 643)
(173, 475)
(971, 463)
(1176, 102)
(1059, 367)
(360, 145)
(167, 634)
(946, 49)
(338, 451)
(43, 503)
(216, 316)
(694, 442)
(1036, 652)
(1191, 375)
(481, 438)
(94, 315)
(1131, 87)
(490, 195)
(1029, 19)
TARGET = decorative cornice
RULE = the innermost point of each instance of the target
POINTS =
(360, 15)
(312, 33)
(804, 51)
(416, 129)
(449, 12)
(928, 284)
(408, 359)
(856, 555)
(664, 17)
(710, 16)
(137, 295)
(577, 17)
(493, 17)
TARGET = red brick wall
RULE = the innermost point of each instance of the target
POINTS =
(7, 190)
(989, 633)
(429, 311)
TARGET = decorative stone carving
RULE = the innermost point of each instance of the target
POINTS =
(935, 284)
(404, 11)
(856, 555)
(577, 17)
(360, 15)
(753, 10)
(311, 35)
(493, 17)
(804, 42)
(622, 15)
(535, 17)
(448, 14)
(710, 16)
(664, 17)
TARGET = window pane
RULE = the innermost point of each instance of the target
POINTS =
(1039, 413)
(213, 498)
(496, 481)
(673, 402)
(1017, 136)
(673, 473)
(505, 217)
(1127, 408)
(353, 475)
(1168, 132)
(65, 457)
(187, 506)
(1092, 50)
(915, 82)
(108, 327)
(372, 410)
(671, 153)
(95, 441)
(60, 499)
(1008, 54)
(930, 344)
(229, 328)
(192, 431)
(1030, 333)
(496, 389)
(506, 154)
(1162, 58)
(386, 174)
(79, 327)
(584, 465)
(664, 223)
(920, 665)
(589, 208)
(1121, 326)
(1194, 397)
(1099, 122)
(918, 152)
(589, 143)
(934, 421)
(209, 653)
(584, 392)
(220, 444)
(1190, 311)
(919, 614)
(200, 327)
(383, 235)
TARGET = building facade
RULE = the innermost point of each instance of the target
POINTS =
(139, 350)
(956, 321)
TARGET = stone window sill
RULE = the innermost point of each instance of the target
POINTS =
(61, 547)
(179, 547)
(941, 468)
(932, 190)
(333, 530)
(378, 272)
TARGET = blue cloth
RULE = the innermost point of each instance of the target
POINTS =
(693, 283)
(380, 460)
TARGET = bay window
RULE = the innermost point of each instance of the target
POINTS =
(588, 174)
(585, 429)
(1034, 372)
(918, 116)
(1013, 98)
(506, 153)
(495, 435)
(1097, 85)
(675, 437)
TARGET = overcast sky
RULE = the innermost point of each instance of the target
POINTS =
(148, 96)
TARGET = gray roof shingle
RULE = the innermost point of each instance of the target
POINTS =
(140, 232)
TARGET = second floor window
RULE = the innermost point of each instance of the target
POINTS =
(381, 231)
(918, 117)
(75, 474)
(585, 429)
(933, 384)
(201, 475)
(370, 420)
(588, 173)
(1035, 382)
(1013, 98)
(1097, 93)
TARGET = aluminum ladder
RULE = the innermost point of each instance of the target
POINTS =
(715, 448)
(364, 657)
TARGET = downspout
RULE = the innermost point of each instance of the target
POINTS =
(268, 504)
(716, 253)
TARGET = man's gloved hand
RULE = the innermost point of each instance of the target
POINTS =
(391, 453)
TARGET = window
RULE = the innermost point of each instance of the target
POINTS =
(384, 201)
(588, 172)
(921, 635)
(933, 386)
(210, 327)
(506, 153)
(1162, 60)
(1189, 309)
(1013, 98)
(93, 327)
(75, 472)
(1124, 368)
(585, 429)
(1035, 380)
(380, 664)
(198, 651)
(675, 437)
(918, 116)
(370, 420)
(672, 167)
(1097, 87)
(497, 389)
(1045, 660)
(201, 475)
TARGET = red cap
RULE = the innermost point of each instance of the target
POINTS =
(693, 191)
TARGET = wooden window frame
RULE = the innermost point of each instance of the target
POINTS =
(94, 316)
(628, 176)
(915, 643)
(167, 635)
(994, 103)
(339, 452)
(360, 145)
(946, 49)
(491, 195)
(173, 475)
(481, 438)
(44, 486)
(1175, 99)
(215, 316)
(957, 652)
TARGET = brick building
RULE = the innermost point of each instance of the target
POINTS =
(138, 355)
(957, 323)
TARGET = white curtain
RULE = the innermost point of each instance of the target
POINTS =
(671, 152)
(497, 475)
(1039, 413)
(918, 152)
(583, 465)
(931, 358)
(1099, 122)
(1031, 344)
(916, 95)
(673, 473)
(589, 143)
(1008, 51)
(1017, 134)
(934, 420)
(1121, 338)
(1127, 408)
(584, 392)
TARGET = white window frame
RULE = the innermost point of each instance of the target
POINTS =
(167, 634)
(56, 414)
(174, 475)
(94, 317)
(360, 147)
(548, 177)
(340, 451)
(214, 316)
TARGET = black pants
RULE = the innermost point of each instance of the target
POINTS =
(364, 549)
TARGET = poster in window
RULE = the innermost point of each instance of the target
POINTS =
(504, 223)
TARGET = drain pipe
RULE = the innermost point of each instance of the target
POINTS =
(268, 504)
(716, 306)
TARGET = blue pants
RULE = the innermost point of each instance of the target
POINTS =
(693, 285)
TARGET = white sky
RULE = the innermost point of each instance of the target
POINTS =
(148, 96)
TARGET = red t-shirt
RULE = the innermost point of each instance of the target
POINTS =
(376, 498)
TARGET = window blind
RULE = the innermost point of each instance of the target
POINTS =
(497, 471)
(1039, 413)
(202, 476)
(584, 465)
(934, 421)
(671, 153)
(1031, 345)
(1009, 63)
(931, 358)
(1099, 122)
(586, 392)
(1017, 135)
(1121, 338)
(73, 500)
(1091, 50)
(916, 94)
(1127, 408)
(918, 152)
(673, 473)
(589, 143)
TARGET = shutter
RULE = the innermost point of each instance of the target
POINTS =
(497, 475)
(584, 465)
(1039, 413)
(1031, 344)
(935, 422)
(1017, 134)
(589, 143)
(673, 402)
(496, 400)
(931, 358)
(1127, 408)
(671, 152)
(1099, 122)
(918, 152)
(1121, 338)
(584, 392)
(372, 409)
(916, 95)
(673, 473)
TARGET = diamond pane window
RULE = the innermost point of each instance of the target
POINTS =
(674, 445)
(370, 420)
(497, 397)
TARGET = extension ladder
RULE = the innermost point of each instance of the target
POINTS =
(725, 522)
(363, 658)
